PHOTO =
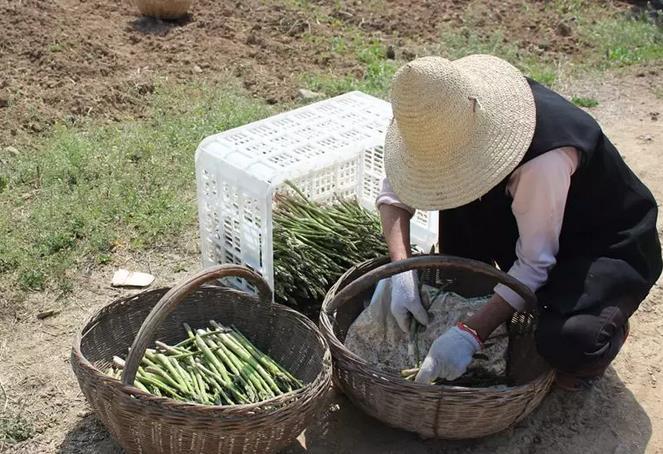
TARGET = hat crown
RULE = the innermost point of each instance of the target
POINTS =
(433, 100)
(459, 129)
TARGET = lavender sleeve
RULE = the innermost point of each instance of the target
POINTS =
(387, 196)
(539, 189)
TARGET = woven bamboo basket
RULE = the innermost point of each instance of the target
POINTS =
(144, 423)
(163, 9)
(435, 411)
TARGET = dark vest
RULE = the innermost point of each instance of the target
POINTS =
(609, 212)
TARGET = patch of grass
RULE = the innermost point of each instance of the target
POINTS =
(87, 191)
(456, 44)
(623, 41)
(14, 429)
(374, 73)
(55, 47)
(602, 36)
(610, 36)
(584, 102)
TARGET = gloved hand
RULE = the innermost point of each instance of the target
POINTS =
(405, 300)
(449, 356)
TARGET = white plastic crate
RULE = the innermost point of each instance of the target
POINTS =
(330, 147)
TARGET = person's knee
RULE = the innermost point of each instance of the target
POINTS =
(569, 344)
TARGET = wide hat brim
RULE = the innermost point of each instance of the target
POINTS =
(501, 133)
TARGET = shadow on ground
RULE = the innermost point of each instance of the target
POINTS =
(89, 436)
(606, 419)
(154, 26)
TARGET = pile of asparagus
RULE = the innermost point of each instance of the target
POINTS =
(214, 366)
(315, 244)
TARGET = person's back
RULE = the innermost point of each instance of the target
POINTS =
(528, 181)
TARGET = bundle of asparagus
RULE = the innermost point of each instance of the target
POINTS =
(214, 366)
(315, 244)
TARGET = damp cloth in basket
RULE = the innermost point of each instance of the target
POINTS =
(375, 336)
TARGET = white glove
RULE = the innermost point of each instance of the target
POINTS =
(449, 356)
(405, 300)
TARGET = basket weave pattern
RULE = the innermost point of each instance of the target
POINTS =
(163, 9)
(433, 411)
(144, 423)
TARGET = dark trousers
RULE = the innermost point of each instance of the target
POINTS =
(582, 342)
(584, 310)
(584, 306)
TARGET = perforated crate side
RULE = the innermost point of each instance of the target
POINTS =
(325, 148)
(234, 213)
(424, 224)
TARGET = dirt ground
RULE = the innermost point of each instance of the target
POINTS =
(623, 414)
(67, 59)
(63, 60)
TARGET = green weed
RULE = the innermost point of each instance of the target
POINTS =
(86, 191)
(376, 69)
(584, 102)
(14, 429)
(627, 41)
(55, 47)
(606, 37)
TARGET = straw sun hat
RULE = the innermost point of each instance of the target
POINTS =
(460, 127)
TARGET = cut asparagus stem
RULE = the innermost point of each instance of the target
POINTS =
(183, 373)
(171, 350)
(138, 384)
(212, 359)
(216, 366)
(152, 380)
(238, 397)
(190, 340)
(278, 372)
(245, 356)
(406, 372)
(156, 371)
(274, 367)
(247, 376)
(172, 371)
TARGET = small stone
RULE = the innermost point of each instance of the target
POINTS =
(197, 69)
(390, 53)
(126, 278)
(47, 314)
(254, 39)
(409, 55)
(12, 151)
(564, 29)
(308, 94)
(4, 100)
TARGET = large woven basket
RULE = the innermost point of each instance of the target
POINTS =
(435, 411)
(144, 423)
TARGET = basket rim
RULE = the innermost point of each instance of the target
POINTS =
(352, 361)
(323, 378)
